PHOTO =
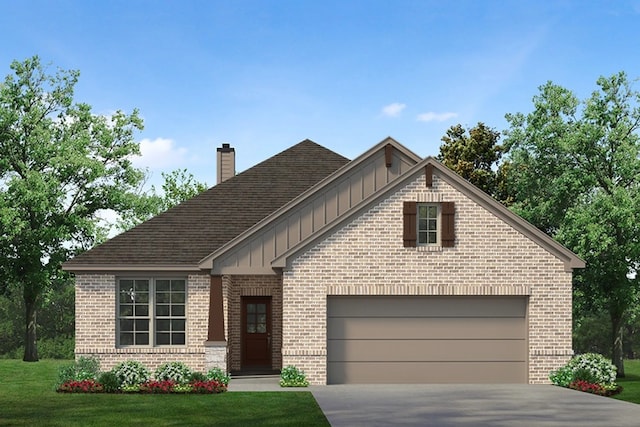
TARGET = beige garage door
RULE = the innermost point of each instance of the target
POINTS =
(415, 339)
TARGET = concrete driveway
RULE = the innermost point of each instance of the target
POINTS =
(470, 405)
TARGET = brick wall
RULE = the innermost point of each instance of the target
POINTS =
(367, 257)
(96, 324)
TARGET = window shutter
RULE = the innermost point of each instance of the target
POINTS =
(410, 233)
(448, 234)
(428, 174)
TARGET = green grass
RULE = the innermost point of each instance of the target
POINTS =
(631, 382)
(27, 398)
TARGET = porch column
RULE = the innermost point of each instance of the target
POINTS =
(216, 345)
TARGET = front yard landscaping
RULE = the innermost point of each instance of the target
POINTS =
(28, 397)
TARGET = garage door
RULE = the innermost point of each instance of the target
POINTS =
(415, 339)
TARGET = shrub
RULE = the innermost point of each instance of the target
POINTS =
(585, 369)
(177, 372)
(109, 381)
(291, 376)
(85, 368)
(197, 376)
(131, 373)
(562, 377)
(217, 374)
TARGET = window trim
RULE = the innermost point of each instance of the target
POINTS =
(152, 312)
(438, 226)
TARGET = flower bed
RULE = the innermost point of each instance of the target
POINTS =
(83, 376)
(590, 373)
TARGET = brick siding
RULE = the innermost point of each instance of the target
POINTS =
(367, 257)
(96, 323)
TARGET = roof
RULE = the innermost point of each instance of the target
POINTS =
(182, 236)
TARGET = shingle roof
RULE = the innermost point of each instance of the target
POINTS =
(197, 227)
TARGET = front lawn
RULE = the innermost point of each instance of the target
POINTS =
(631, 382)
(27, 397)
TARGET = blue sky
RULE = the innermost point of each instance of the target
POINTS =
(263, 75)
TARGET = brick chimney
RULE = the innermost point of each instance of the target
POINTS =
(226, 162)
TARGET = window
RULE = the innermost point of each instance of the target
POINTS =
(151, 312)
(427, 224)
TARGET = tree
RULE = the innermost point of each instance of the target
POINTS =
(574, 172)
(178, 186)
(473, 153)
(60, 164)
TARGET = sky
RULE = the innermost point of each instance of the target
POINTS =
(263, 75)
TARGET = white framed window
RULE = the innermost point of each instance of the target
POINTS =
(428, 217)
(151, 312)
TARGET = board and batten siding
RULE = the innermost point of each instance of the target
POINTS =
(318, 210)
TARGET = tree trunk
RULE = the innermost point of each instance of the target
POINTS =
(30, 343)
(616, 345)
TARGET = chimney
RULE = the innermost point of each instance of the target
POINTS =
(226, 162)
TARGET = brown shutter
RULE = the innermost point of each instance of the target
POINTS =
(448, 233)
(388, 155)
(428, 174)
(409, 212)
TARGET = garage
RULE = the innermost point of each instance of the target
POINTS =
(426, 339)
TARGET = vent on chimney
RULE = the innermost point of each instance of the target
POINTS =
(226, 162)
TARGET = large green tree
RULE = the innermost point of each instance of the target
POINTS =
(473, 153)
(178, 186)
(574, 171)
(60, 165)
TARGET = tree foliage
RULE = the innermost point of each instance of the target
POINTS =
(178, 186)
(60, 164)
(574, 172)
(473, 153)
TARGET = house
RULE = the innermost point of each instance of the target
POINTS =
(388, 268)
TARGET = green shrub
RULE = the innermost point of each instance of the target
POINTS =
(110, 382)
(589, 367)
(197, 376)
(562, 377)
(131, 373)
(85, 368)
(219, 375)
(177, 372)
(291, 376)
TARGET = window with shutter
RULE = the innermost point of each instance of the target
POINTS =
(429, 224)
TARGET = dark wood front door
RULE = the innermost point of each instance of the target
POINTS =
(256, 332)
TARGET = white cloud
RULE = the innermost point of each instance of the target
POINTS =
(159, 153)
(436, 117)
(393, 110)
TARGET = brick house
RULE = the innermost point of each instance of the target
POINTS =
(385, 269)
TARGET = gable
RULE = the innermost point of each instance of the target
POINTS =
(434, 177)
(311, 212)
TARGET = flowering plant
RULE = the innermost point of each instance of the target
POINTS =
(131, 373)
(177, 372)
(155, 387)
(207, 387)
(81, 386)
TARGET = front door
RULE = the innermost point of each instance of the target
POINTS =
(256, 332)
